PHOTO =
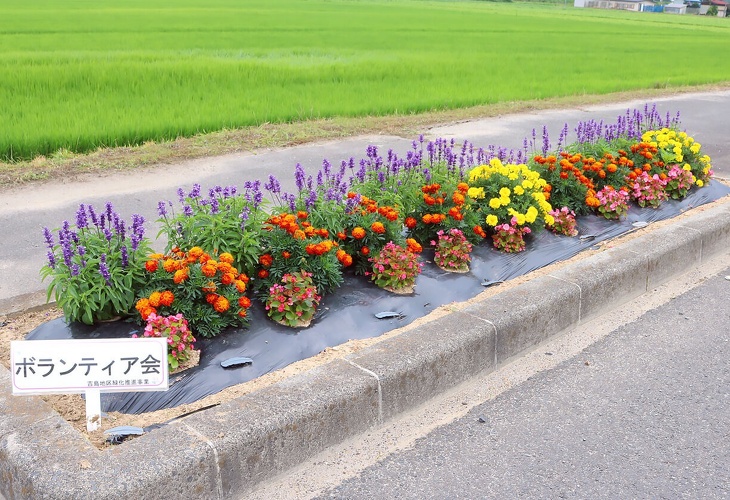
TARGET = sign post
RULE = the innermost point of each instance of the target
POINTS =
(90, 367)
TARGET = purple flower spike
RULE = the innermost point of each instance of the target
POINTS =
(104, 269)
(49, 237)
(162, 209)
(125, 256)
(195, 192)
(81, 220)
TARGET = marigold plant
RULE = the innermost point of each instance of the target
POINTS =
(503, 193)
(210, 293)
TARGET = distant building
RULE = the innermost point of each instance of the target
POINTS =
(675, 8)
(720, 4)
(634, 5)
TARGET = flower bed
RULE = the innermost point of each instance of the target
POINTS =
(231, 250)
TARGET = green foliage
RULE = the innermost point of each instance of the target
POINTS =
(80, 75)
(224, 221)
(95, 266)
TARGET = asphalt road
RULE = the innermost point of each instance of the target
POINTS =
(25, 211)
(642, 413)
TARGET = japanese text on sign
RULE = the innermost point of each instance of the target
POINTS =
(66, 366)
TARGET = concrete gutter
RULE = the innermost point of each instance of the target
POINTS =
(224, 452)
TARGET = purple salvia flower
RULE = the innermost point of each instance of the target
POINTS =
(104, 269)
(109, 211)
(299, 176)
(194, 193)
(107, 234)
(545, 140)
(214, 206)
(181, 195)
(75, 270)
(125, 256)
(273, 185)
(48, 235)
(81, 220)
(258, 196)
(161, 209)
(188, 210)
(92, 216)
(51, 260)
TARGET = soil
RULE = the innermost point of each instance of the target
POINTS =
(72, 407)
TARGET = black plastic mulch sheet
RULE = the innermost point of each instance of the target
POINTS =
(349, 313)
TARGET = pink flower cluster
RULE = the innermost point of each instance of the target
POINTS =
(294, 300)
(565, 222)
(452, 250)
(510, 237)
(679, 181)
(649, 190)
(614, 203)
(180, 339)
(395, 267)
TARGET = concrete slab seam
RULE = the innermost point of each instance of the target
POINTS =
(580, 293)
(219, 479)
(380, 389)
(496, 334)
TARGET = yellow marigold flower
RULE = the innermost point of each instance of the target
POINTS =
(699, 183)
(504, 192)
(549, 220)
(495, 203)
(687, 167)
(475, 192)
(528, 184)
(695, 148)
(505, 201)
(531, 215)
(521, 219)
(492, 220)
(519, 191)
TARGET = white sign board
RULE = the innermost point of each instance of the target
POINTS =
(78, 365)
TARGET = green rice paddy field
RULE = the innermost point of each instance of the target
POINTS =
(83, 74)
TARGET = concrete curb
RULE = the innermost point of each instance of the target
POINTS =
(224, 452)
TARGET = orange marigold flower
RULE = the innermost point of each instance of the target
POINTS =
(209, 269)
(463, 187)
(266, 260)
(479, 231)
(413, 246)
(221, 304)
(301, 215)
(226, 258)
(458, 198)
(243, 277)
(341, 235)
(244, 302)
(429, 199)
(299, 235)
(155, 299)
(209, 287)
(240, 286)
(365, 250)
(358, 233)
(147, 311)
(211, 298)
(242, 313)
(143, 303)
(167, 298)
(228, 278)
(170, 265)
(410, 222)
(378, 227)
(286, 254)
(151, 266)
(311, 249)
(427, 219)
(263, 274)
(180, 276)
(225, 267)
(195, 252)
(347, 260)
